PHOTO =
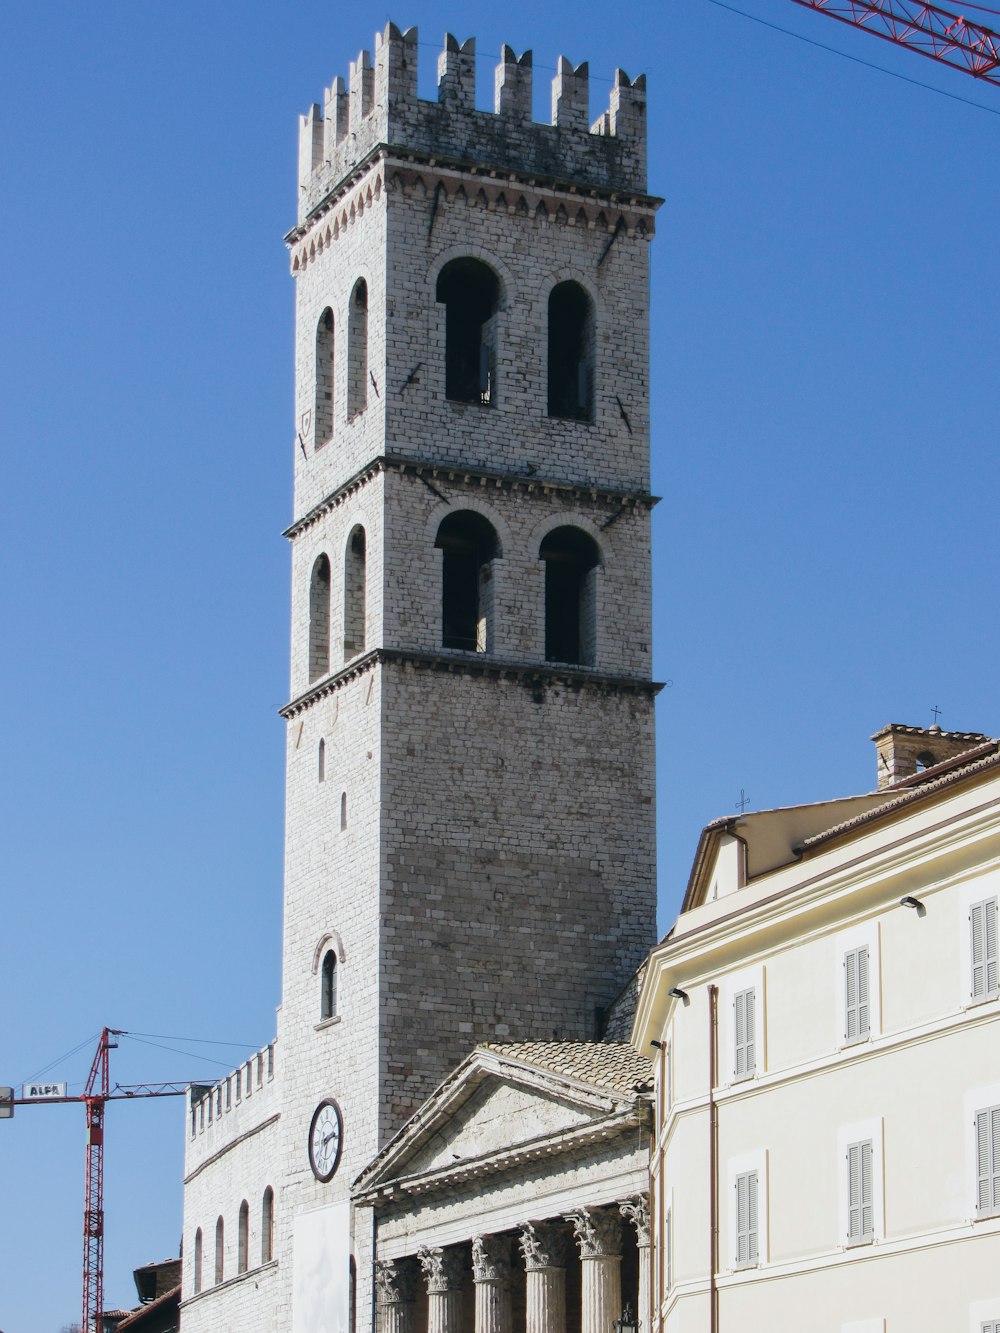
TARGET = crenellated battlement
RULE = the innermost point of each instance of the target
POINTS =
(380, 105)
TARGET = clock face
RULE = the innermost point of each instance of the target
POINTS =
(326, 1137)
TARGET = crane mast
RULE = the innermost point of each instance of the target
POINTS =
(936, 33)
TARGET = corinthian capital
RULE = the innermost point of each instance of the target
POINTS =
(598, 1232)
(490, 1259)
(393, 1280)
(543, 1245)
(637, 1212)
(442, 1269)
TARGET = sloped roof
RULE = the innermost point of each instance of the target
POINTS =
(614, 1065)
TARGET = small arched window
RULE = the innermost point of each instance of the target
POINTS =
(267, 1226)
(571, 353)
(469, 545)
(925, 760)
(220, 1251)
(470, 293)
(571, 558)
(354, 594)
(197, 1261)
(323, 408)
(328, 996)
(357, 350)
(343, 811)
(243, 1238)
(319, 618)
(321, 759)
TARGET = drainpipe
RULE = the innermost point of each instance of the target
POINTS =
(713, 1161)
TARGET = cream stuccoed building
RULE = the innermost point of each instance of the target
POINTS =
(825, 1022)
(469, 814)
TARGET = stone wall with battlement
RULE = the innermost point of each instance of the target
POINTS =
(379, 105)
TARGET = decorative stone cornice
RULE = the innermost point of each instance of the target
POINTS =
(480, 479)
(490, 1259)
(543, 1244)
(394, 1280)
(598, 1232)
(637, 1212)
(532, 675)
(443, 1269)
(533, 196)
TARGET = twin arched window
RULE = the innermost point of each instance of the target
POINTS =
(357, 364)
(320, 581)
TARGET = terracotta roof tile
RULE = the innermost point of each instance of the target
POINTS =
(611, 1064)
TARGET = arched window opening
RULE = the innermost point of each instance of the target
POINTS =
(220, 1251)
(321, 760)
(328, 997)
(319, 619)
(354, 594)
(267, 1226)
(243, 1238)
(571, 559)
(357, 350)
(323, 409)
(197, 1261)
(343, 811)
(925, 760)
(470, 293)
(571, 353)
(469, 546)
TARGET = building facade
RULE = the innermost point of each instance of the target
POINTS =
(825, 1018)
(469, 813)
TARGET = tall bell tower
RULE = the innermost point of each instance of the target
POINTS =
(470, 774)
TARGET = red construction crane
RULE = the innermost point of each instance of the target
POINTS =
(96, 1095)
(936, 33)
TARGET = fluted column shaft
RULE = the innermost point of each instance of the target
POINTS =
(443, 1273)
(491, 1275)
(637, 1212)
(394, 1284)
(544, 1250)
(598, 1234)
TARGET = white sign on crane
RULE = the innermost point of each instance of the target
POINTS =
(39, 1092)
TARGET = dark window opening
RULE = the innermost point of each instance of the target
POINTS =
(328, 999)
(324, 378)
(267, 1226)
(469, 545)
(571, 353)
(470, 293)
(220, 1251)
(197, 1261)
(354, 594)
(571, 559)
(319, 619)
(243, 1239)
(925, 760)
(357, 350)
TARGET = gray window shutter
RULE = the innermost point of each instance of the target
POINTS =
(860, 1196)
(983, 926)
(746, 1219)
(856, 1006)
(988, 1160)
(745, 1058)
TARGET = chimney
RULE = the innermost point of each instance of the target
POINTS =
(905, 751)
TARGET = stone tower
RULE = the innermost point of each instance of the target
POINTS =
(470, 770)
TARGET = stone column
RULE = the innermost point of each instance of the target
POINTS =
(637, 1212)
(544, 1250)
(394, 1284)
(599, 1236)
(443, 1272)
(491, 1274)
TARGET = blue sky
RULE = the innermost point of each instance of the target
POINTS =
(825, 443)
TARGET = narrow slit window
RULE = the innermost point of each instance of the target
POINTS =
(983, 930)
(571, 353)
(328, 1000)
(343, 811)
(243, 1238)
(571, 559)
(197, 1260)
(357, 350)
(470, 293)
(319, 618)
(746, 1219)
(321, 760)
(860, 1197)
(354, 594)
(267, 1226)
(469, 546)
(856, 1006)
(220, 1251)
(323, 407)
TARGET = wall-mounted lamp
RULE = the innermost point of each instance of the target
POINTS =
(910, 901)
(628, 1322)
(657, 1044)
(676, 993)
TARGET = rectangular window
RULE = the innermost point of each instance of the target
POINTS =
(856, 1010)
(745, 1055)
(746, 1218)
(860, 1197)
(983, 927)
(988, 1161)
